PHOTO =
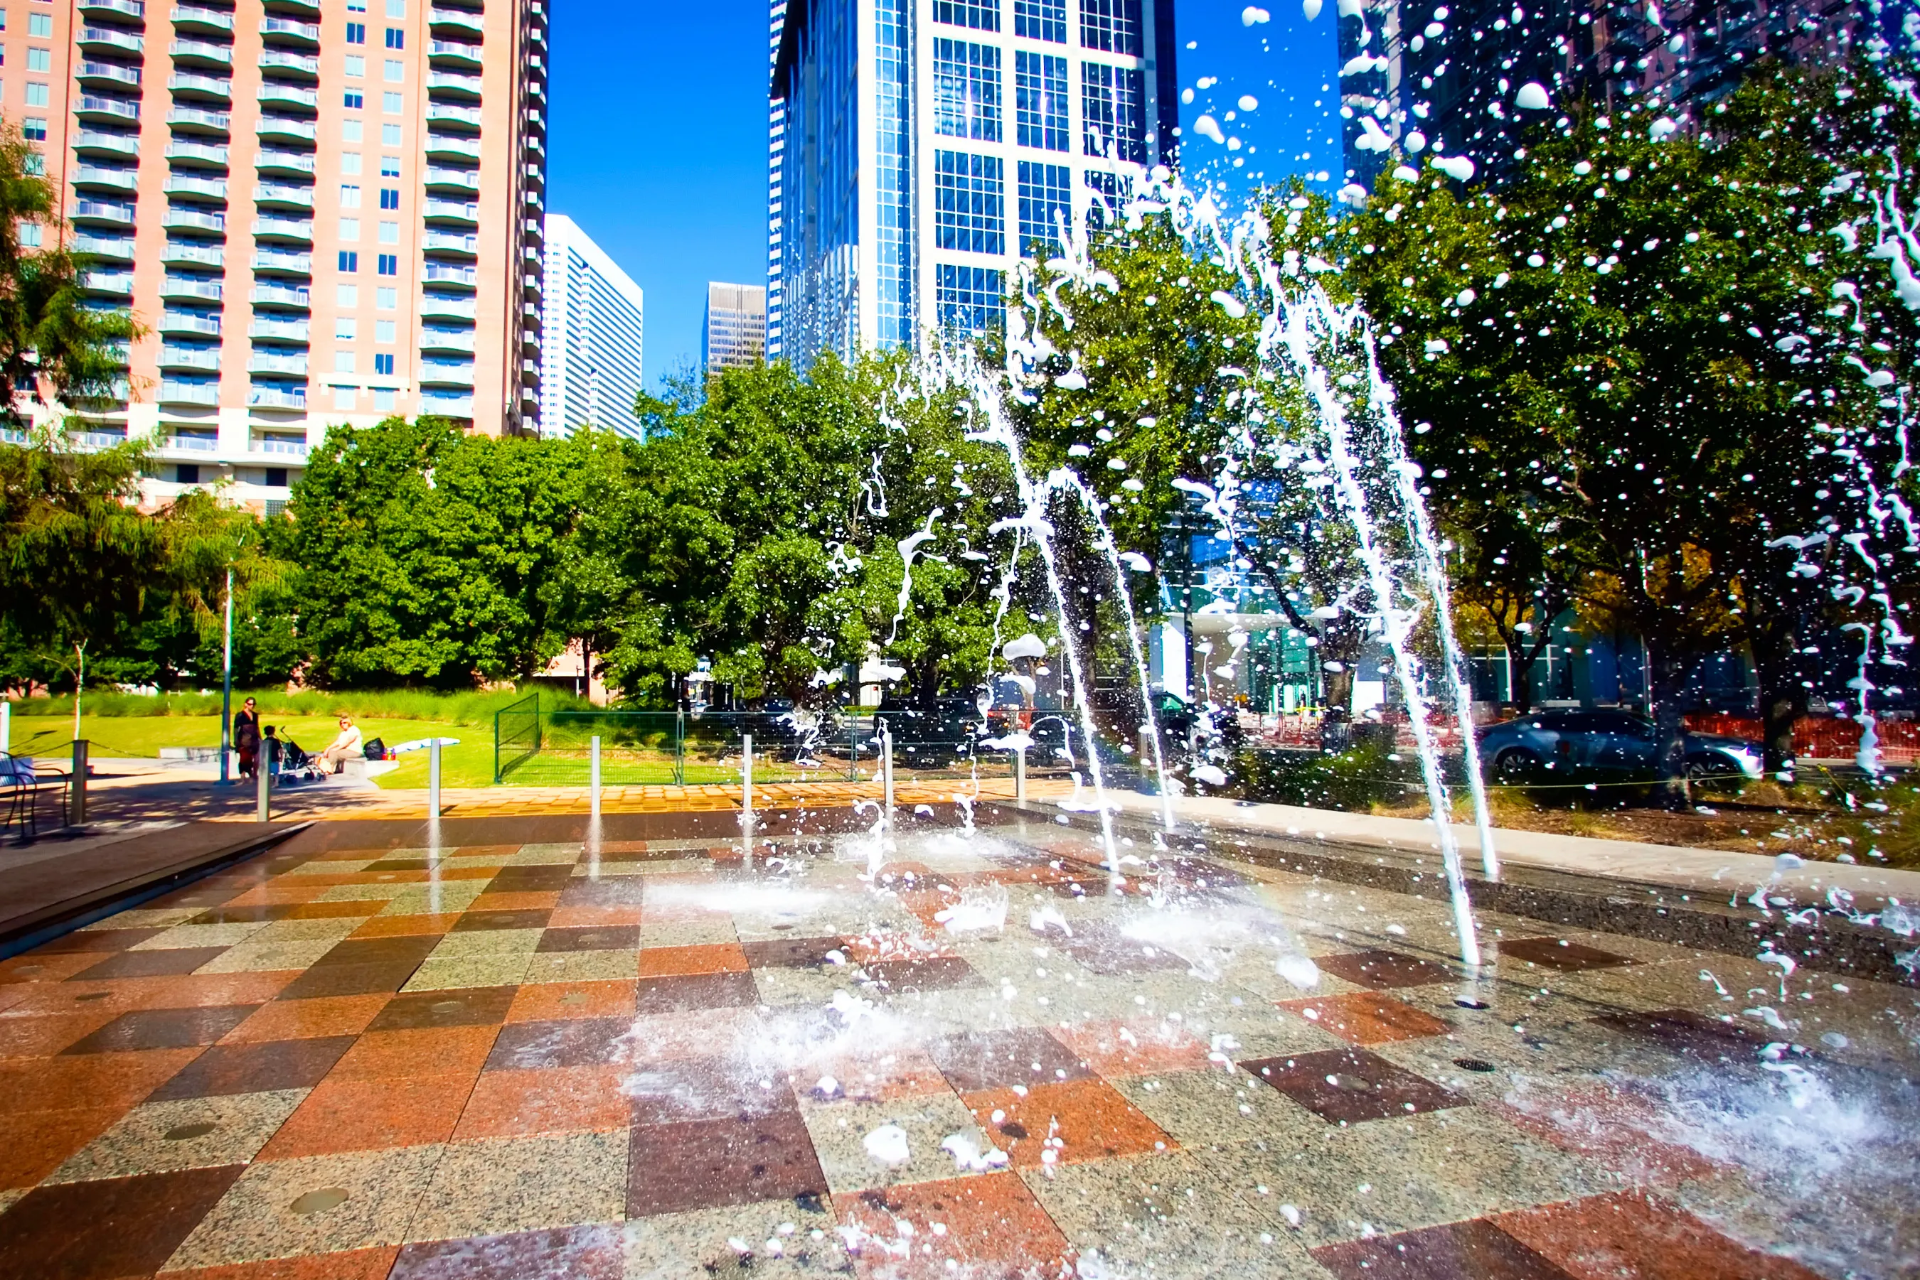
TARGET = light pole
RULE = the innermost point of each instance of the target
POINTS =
(226, 687)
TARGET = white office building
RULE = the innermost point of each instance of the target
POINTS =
(921, 148)
(735, 333)
(590, 352)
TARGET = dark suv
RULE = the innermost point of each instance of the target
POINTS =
(1603, 746)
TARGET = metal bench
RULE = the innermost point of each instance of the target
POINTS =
(22, 785)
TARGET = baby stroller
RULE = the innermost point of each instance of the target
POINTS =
(297, 766)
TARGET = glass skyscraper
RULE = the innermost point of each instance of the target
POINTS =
(920, 148)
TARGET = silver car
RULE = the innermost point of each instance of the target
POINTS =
(1604, 746)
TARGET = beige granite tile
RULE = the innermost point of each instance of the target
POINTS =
(189, 1133)
(524, 1184)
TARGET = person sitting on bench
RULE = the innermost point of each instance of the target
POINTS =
(343, 748)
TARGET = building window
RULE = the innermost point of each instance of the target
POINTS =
(276, 477)
(396, 71)
(356, 33)
(34, 129)
(396, 8)
(349, 228)
(981, 15)
(349, 196)
(383, 399)
(186, 473)
(967, 299)
(30, 235)
(384, 331)
(389, 264)
(1046, 194)
(39, 59)
(350, 162)
(344, 328)
(392, 104)
(969, 202)
(1040, 100)
(1113, 102)
(1110, 192)
(389, 233)
(383, 364)
(396, 38)
(343, 397)
(354, 101)
(349, 260)
(34, 164)
(40, 24)
(356, 66)
(390, 167)
(1041, 20)
(389, 135)
(343, 362)
(37, 94)
(389, 197)
(966, 90)
(346, 295)
(350, 131)
(386, 299)
(1111, 25)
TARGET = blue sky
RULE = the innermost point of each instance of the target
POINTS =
(658, 133)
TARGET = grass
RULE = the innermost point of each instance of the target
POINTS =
(392, 704)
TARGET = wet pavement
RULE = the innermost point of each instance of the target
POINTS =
(964, 1055)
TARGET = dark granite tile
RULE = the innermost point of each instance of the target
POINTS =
(150, 964)
(568, 1042)
(595, 938)
(1688, 1033)
(934, 973)
(1351, 1085)
(791, 953)
(976, 1060)
(577, 1253)
(682, 1089)
(351, 979)
(1380, 970)
(107, 1229)
(456, 1007)
(1558, 953)
(163, 1029)
(614, 891)
(255, 1068)
(1107, 951)
(710, 1164)
(247, 915)
(96, 940)
(537, 879)
(480, 921)
(681, 993)
(1472, 1250)
(401, 948)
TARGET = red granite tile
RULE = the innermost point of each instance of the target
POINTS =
(882, 1076)
(710, 1164)
(1613, 1128)
(80, 1081)
(511, 1104)
(151, 964)
(723, 957)
(360, 1264)
(1067, 1123)
(255, 1068)
(1380, 970)
(337, 910)
(567, 916)
(1136, 1047)
(301, 1019)
(35, 1143)
(457, 1007)
(578, 1253)
(364, 1115)
(1348, 1086)
(206, 989)
(570, 1042)
(1634, 1234)
(127, 1226)
(1366, 1017)
(527, 900)
(43, 1034)
(625, 937)
(161, 1029)
(553, 1001)
(47, 966)
(93, 940)
(992, 1226)
(686, 992)
(976, 1060)
(1559, 953)
(435, 1051)
(1472, 1250)
(480, 921)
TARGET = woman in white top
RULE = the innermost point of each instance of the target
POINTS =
(345, 747)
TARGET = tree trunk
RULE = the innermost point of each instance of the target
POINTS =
(1519, 676)
(1667, 681)
(1783, 698)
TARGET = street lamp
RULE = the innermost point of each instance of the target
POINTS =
(226, 687)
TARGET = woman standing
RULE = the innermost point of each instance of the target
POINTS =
(246, 737)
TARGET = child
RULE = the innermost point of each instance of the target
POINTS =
(270, 749)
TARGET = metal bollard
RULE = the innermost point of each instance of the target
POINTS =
(746, 777)
(1147, 771)
(1019, 775)
(593, 784)
(886, 772)
(6, 726)
(77, 792)
(262, 788)
(433, 780)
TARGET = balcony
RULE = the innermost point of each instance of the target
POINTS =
(198, 53)
(203, 394)
(132, 9)
(436, 339)
(108, 74)
(185, 253)
(279, 195)
(300, 229)
(202, 21)
(114, 248)
(279, 330)
(195, 220)
(111, 41)
(291, 164)
(274, 295)
(465, 246)
(289, 446)
(197, 154)
(270, 395)
(454, 20)
(196, 120)
(443, 146)
(450, 274)
(445, 181)
(283, 129)
(455, 55)
(203, 188)
(446, 373)
(437, 306)
(272, 361)
(301, 65)
(443, 114)
(275, 94)
(189, 86)
(118, 284)
(190, 289)
(203, 359)
(291, 32)
(107, 146)
(93, 110)
(466, 213)
(172, 321)
(303, 8)
(447, 404)
(280, 261)
(453, 84)
(94, 176)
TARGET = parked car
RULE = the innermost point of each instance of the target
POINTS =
(1604, 746)
(1179, 720)
(939, 736)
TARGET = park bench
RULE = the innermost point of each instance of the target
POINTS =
(22, 785)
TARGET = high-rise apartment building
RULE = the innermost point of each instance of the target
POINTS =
(321, 211)
(776, 148)
(735, 333)
(1423, 77)
(590, 352)
(925, 146)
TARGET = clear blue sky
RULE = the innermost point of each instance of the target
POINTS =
(658, 132)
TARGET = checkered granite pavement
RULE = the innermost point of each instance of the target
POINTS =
(966, 1055)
